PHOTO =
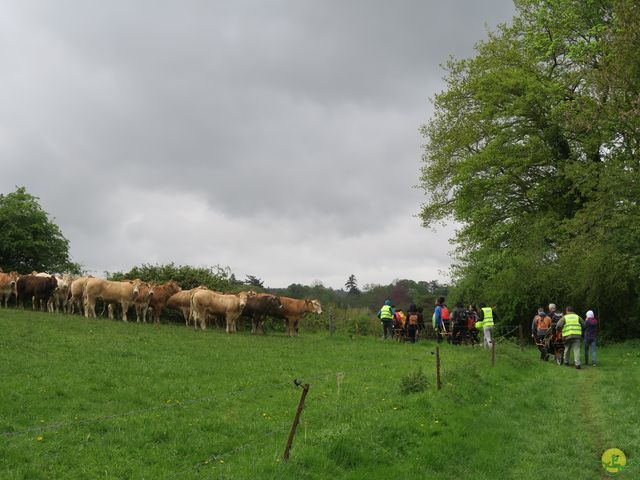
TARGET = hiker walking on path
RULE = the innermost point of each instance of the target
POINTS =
(386, 316)
(472, 318)
(458, 324)
(413, 322)
(590, 336)
(539, 327)
(438, 317)
(572, 326)
(486, 316)
(554, 315)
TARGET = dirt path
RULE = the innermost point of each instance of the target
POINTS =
(587, 383)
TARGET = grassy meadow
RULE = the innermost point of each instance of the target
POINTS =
(93, 398)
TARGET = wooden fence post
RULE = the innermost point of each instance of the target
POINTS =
(521, 337)
(296, 420)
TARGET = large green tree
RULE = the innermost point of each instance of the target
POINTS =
(533, 150)
(29, 239)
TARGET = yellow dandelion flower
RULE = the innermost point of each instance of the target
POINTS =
(221, 461)
(40, 438)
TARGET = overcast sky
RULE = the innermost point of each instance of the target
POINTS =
(279, 138)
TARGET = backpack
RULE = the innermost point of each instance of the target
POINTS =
(543, 323)
(413, 319)
(444, 313)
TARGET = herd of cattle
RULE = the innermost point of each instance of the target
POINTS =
(198, 305)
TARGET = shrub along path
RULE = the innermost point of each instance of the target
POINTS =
(87, 398)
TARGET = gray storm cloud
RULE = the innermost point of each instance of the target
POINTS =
(279, 138)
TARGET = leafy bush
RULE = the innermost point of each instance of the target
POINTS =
(215, 278)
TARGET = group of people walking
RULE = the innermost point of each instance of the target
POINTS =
(568, 329)
(464, 324)
(461, 325)
(395, 319)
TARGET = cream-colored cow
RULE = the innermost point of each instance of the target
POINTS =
(76, 289)
(205, 302)
(122, 293)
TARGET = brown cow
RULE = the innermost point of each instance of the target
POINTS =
(205, 302)
(258, 307)
(293, 310)
(75, 294)
(142, 300)
(8, 287)
(36, 288)
(123, 293)
(161, 295)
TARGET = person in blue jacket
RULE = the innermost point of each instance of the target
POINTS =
(437, 318)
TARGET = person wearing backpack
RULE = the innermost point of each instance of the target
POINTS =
(400, 321)
(413, 322)
(554, 315)
(590, 336)
(445, 315)
(472, 318)
(539, 327)
(437, 318)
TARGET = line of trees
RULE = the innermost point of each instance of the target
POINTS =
(534, 150)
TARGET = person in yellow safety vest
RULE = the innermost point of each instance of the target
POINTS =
(486, 316)
(386, 315)
(572, 326)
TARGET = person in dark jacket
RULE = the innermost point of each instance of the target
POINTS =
(590, 337)
(472, 318)
(458, 323)
(413, 322)
(421, 326)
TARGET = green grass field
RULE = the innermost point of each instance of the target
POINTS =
(87, 398)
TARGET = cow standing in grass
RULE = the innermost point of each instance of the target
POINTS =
(293, 310)
(59, 299)
(162, 294)
(259, 306)
(75, 294)
(37, 288)
(142, 300)
(122, 293)
(8, 282)
(182, 302)
(204, 302)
